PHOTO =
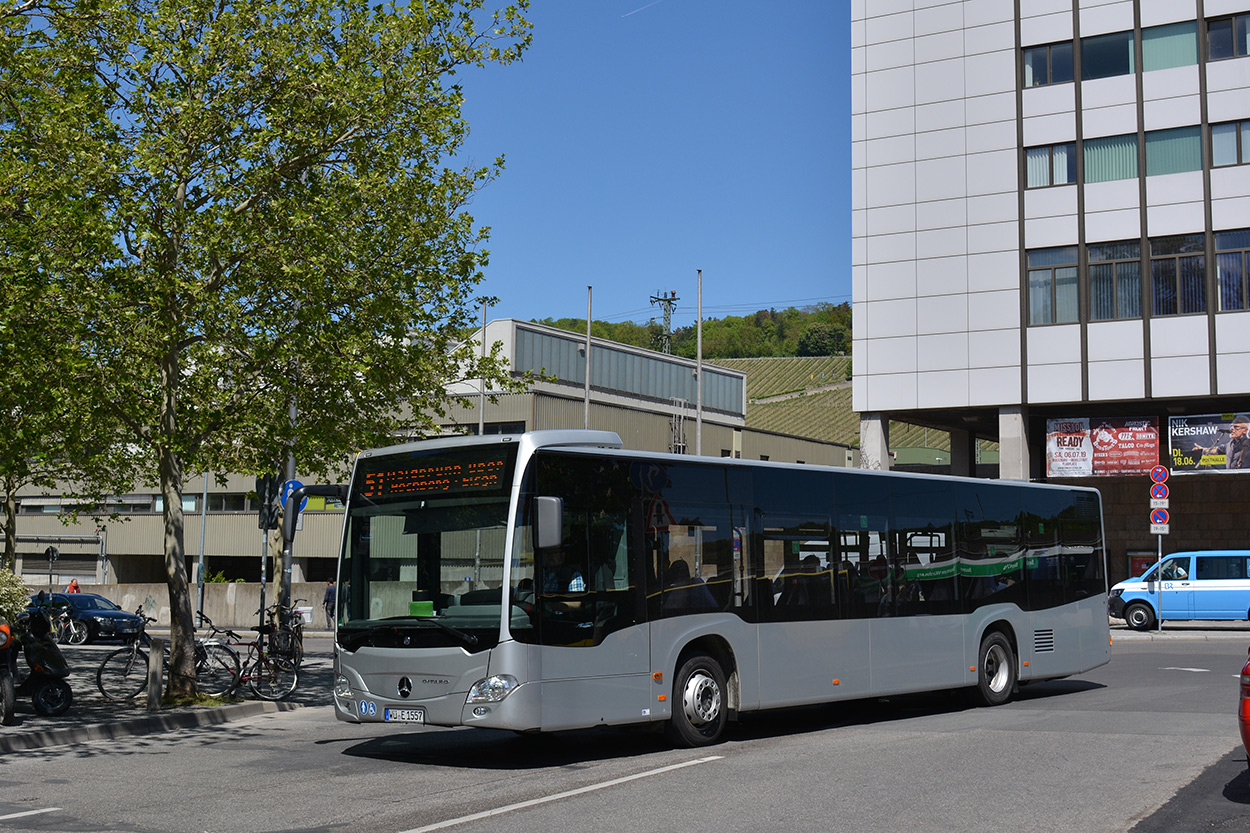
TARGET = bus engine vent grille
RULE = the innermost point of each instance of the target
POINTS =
(1044, 642)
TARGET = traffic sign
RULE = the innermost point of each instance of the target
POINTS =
(1159, 503)
(1159, 529)
(290, 486)
(1159, 474)
(1158, 516)
(1159, 491)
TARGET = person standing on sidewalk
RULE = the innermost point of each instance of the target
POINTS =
(328, 602)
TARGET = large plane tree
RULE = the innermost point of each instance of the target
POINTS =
(276, 211)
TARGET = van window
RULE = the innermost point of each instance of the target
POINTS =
(1220, 567)
(1175, 568)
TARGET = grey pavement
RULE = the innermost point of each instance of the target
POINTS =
(91, 717)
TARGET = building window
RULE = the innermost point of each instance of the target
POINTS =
(1111, 157)
(1050, 165)
(1226, 37)
(1114, 280)
(1049, 64)
(1105, 56)
(1177, 271)
(1173, 151)
(1232, 262)
(1164, 47)
(1053, 297)
(236, 502)
(1230, 143)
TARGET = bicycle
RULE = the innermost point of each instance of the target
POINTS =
(286, 636)
(269, 675)
(70, 631)
(123, 674)
(216, 663)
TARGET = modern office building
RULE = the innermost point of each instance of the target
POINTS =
(1051, 221)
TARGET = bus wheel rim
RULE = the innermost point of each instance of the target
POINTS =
(701, 699)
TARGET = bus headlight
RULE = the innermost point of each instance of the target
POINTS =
(342, 687)
(492, 689)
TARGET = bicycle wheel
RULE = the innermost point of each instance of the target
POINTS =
(123, 674)
(77, 632)
(284, 646)
(216, 669)
(272, 679)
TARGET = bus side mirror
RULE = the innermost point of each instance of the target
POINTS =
(548, 522)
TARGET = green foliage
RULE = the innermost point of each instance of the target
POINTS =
(14, 597)
(764, 333)
(225, 214)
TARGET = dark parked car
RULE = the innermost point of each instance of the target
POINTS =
(104, 619)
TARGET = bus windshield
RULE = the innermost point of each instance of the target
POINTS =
(423, 556)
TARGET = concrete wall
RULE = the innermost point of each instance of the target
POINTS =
(229, 605)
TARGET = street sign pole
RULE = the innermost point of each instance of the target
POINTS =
(1159, 519)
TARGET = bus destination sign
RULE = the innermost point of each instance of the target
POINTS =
(435, 477)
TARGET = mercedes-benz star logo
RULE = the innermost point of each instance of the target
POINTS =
(405, 686)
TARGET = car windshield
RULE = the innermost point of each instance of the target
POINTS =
(82, 602)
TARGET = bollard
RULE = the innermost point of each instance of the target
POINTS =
(156, 673)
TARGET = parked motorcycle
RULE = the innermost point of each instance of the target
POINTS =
(46, 668)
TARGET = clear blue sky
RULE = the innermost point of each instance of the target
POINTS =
(647, 139)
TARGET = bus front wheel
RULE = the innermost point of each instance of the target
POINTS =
(1139, 616)
(997, 663)
(699, 702)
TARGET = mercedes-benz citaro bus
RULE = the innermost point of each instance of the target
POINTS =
(1206, 584)
(554, 580)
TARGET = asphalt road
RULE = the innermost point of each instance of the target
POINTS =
(1147, 743)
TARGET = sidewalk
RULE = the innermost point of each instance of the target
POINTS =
(1187, 631)
(91, 717)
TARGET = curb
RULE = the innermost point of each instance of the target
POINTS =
(139, 726)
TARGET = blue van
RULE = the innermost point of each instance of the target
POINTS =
(1207, 584)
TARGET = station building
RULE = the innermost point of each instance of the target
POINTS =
(1051, 222)
(650, 399)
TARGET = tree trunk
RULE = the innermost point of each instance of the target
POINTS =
(9, 561)
(180, 682)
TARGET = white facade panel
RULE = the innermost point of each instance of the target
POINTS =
(1110, 196)
(1158, 12)
(887, 248)
(940, 144)
(891, 281)
(895, 392)
(1228, 75)
(1178, 218)
(1110, 120)
(1047, 101)
(1107, 226)
(942, 115)
(1174, 188)
(900, 121)
(892, 355)
(994, 348)
(943, 389)
(1049, 129)
(1230, 213)
(1043, 232)
(942, 314)
(1059, 201)
(994, 271)
(987, 108)
(992, 173)
(1045, 28)
(994, 386)
(947, 214)
(940, 81)
(944, 18)
(983, 12)
(939, 47)
(890, 88)
(1214, 8)
(1115, 340)
(941, 243)
(941, 179)
(1180, 376)
(1232, 373)
(891, 185)
(888, 151)
(891, 320)
(1182, 111)
(942, 351)
(999, 135)
(1055, 383)
(1227, 105)
(943, 276)
(1109, 92)
(1232, 332)
(1124, 379)
(992, 72)
(879, 56)
(993, 37)
(990, 208)
(888, 27)
(1179, 335)
(988, 237)
(1059, 344)
(1104, 18)
(1044, 8)
(1231, 182)
(1174, 82)
(995, 310)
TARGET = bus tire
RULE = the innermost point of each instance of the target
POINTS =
(997, 665)
(1139, 616)
(700, 707)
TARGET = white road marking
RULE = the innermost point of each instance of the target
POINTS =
(1195, 670)
(485, 814)
(29, 813)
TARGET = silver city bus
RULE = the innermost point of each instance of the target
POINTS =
(554, 580)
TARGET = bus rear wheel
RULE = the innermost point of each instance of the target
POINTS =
(699, 703)
(1139, 616)
(997, 664)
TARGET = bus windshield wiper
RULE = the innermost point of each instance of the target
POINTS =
(467, 638)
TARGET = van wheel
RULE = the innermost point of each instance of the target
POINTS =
(997, 663)
(699, 704)
(1139, 616)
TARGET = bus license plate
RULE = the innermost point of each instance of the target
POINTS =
(404, 715)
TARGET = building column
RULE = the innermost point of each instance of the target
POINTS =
(874, 442)
(962, 463)
(1013, 443)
